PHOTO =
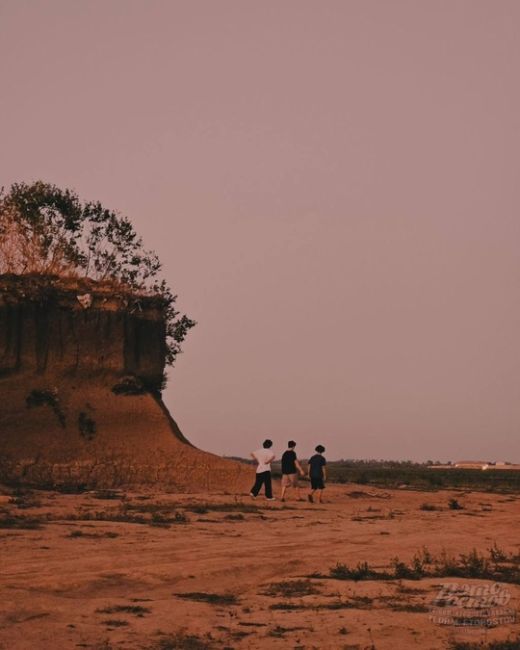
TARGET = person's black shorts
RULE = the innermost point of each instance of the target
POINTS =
(317, 483)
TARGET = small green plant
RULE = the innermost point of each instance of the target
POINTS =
(453, 504)
(497, 554)
(361, 572)
(425, 555)
(474, 565)
(403, 571)
(417, 569)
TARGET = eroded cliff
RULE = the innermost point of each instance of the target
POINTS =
(80, 370)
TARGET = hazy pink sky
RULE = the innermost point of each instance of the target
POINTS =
(333, 187)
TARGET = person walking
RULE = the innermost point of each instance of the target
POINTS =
(263, 457)
(290, 470)
(317, 474)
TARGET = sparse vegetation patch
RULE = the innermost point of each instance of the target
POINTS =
(129, 386)
(86, 426)
(136, 610)
(123, 514)
(511, 644)
(49, 398)
(212, 599)
(108, 495)
(182, 641)
(21, 523)
(292, 588)
(496, 565)
(453, 504)
(84, 534)
(25, 501)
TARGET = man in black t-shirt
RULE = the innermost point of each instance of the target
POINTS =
(290, 470)
(317, 474)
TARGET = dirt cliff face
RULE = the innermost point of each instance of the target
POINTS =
(80, 369)
(68, 327)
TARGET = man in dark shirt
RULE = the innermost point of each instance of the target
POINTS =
(317, 474)
(290, 470)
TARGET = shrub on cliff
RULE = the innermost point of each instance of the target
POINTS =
(49, 231)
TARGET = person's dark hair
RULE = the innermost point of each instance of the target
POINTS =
(320, 449)
(291, 444)
(267, 444)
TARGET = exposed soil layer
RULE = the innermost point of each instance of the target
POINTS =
(79, 386)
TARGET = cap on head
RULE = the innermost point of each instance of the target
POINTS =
(320, 449)
(291, 444)
(267, 444)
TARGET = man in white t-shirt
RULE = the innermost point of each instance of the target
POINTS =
(263, 457)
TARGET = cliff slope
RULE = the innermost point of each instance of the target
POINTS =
(80, 367)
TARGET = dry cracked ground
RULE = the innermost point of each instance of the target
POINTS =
(156, 571)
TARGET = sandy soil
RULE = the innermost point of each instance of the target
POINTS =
(83, 580)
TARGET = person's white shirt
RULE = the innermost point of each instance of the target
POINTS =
(263, 457)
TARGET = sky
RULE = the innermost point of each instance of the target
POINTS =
(332, 186)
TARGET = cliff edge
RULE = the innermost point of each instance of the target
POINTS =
(81, 365)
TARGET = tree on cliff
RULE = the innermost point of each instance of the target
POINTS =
(49, 231)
